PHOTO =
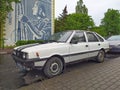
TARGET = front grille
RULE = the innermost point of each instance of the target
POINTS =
(19, 54)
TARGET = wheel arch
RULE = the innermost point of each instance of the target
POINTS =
(61, 58)
(100, 57)
(103, 50)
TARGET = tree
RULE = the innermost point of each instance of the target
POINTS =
(60, 22)
(99, 30)
(64, 13)
(111, 22)
(5, 8)
(74, 22)
(81, 8)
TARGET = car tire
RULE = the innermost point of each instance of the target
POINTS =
(100, 56)
(53, 67)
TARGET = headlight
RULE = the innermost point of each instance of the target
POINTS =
(25, 55)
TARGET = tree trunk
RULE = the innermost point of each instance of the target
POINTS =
(0, 35)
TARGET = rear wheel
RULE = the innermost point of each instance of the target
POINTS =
(101, 56)
(53, 67)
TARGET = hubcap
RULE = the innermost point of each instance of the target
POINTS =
(54, 67)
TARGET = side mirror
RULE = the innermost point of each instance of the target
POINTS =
(74, 40)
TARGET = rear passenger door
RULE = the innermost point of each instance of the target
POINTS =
(93, 43)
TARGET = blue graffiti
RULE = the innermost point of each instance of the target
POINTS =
(33, 19)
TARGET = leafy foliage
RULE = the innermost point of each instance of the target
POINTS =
(5, 8)
(60, 21)
(78, 20)
(64, 13)
(74, 22)
(111, 22)
(81, 8)
(99, 30)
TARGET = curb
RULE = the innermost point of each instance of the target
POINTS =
(7, 51)
(2, 53)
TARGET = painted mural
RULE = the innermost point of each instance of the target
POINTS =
(33, 20)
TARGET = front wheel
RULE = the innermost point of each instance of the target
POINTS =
(101, 56)
(53, 67)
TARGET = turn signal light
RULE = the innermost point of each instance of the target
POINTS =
(37, 54)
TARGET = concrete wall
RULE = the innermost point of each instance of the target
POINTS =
(30, 20)
(10, 28)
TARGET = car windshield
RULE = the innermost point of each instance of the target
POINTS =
(114, 38)
(61, 36)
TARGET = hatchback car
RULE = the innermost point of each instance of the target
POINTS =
(114, 42)
(62, 48)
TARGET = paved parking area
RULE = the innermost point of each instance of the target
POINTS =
(83, 76)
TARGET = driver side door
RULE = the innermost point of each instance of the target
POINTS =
(78, 47)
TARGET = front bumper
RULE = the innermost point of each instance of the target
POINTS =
(29, 64)
(114, 49)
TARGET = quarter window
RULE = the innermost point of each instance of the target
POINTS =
(91, 37)
(101, 39)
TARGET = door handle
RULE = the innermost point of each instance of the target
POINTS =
(86, 45)
(99, 44)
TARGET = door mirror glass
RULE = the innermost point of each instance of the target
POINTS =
(74, 40)
(78, 37)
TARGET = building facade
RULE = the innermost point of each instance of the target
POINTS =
(30, 20)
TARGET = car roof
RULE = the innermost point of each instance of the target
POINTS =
(80, 30)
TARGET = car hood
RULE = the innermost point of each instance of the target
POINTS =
(19, 48)
(114, 42)
(37, 47)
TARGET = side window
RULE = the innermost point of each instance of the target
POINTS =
(91, 37)
(79, 36)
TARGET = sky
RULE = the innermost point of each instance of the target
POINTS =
(96, 8)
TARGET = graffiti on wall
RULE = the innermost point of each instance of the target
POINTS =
(33, 20)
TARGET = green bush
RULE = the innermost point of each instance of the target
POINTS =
(24, 42)
(9, 47)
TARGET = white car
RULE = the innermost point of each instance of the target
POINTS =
(62, 48)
